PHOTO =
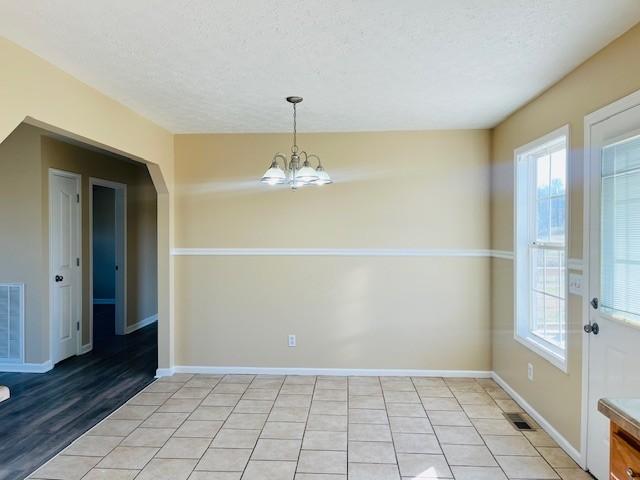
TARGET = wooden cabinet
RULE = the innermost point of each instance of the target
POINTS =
(625, 455)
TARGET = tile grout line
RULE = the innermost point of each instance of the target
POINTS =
(432, 426)
(304, 431)
(386, 411)
(179, 425)
(481, 436)
(142, 422)
(263, 425)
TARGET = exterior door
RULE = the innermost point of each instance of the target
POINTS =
(614, 274)
(65, 281)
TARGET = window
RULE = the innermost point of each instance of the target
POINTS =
(620, 245)
(541, 246)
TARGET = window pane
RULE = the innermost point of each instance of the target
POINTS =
(543, 169)
(620, 224)
(558, 182)
(542, 220)
(557, 219)
(552, 273)
(551, 328)
(538, 313)
(537, 265)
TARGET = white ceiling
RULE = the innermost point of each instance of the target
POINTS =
(226, 65)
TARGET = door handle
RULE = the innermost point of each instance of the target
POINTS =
(592, 328)
(631, 474)
(594, 303)
(58, 278)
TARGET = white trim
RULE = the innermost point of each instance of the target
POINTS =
(539, 348)
(85, 348)
(529, 341)
(575, 264)
(142, 323)
(78, 178)
(342, 252)
(619, 106)
(341, 372)
(120, 190)
(104, 301)
(543, 422)
(26, 367)
(164, 372)
(504, 254)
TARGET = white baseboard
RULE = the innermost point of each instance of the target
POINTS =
(142, 323)
(341, 372)
(104, 301)
(164, 372)
(553, 433)
(26, 367)
(85, 348)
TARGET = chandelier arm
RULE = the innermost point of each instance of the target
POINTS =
(313, 155)
(284, 160)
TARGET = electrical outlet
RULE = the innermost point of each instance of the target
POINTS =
(530, 372)
(292, 340)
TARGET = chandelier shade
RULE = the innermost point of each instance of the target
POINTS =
(294, 173)
(323, 176)
(274, 175)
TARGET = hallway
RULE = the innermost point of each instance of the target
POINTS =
(48, 411)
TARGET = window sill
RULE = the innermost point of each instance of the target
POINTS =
(539, 348)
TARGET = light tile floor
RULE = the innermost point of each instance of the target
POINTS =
(208, 427)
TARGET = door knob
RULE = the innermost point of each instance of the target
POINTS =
(58, 278)
(594, 303)
(592, 328)
(631, 474)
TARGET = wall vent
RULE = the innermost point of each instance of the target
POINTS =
(11, 322)
(518, 421)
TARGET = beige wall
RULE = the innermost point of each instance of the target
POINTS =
(23, 254)
(32, 89)
(26, 156)
(611, 74)
(420, 190)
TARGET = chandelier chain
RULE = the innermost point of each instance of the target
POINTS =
(294, 149)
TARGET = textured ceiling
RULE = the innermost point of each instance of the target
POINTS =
(226, 65)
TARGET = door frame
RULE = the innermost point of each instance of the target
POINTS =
(78, 179)
(120, 190)
(626, 103)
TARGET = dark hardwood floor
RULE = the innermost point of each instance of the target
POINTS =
(46, 412)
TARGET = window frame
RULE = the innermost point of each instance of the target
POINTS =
(524, 222)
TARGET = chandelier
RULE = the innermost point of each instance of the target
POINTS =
(293, 172)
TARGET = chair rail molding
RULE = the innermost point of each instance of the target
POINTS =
(344, 252)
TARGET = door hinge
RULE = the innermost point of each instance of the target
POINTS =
(78, 197)
(78, 326)
(78, 262)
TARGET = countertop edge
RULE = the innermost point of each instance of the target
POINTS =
(619, 416)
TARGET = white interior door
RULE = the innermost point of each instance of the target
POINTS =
(64, 232)
(614, 274)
